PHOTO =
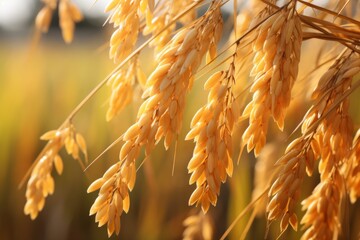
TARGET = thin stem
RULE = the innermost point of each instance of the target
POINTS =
(243, 212)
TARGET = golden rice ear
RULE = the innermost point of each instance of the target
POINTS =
(140, 76)
(284, 192)
(122, 84)
(80, 140)
(352, 169)
(326, 135)
(113, 198)
(39, 186)
(277, 55)
(123, 39)
(95, 185)
(163, 24)
(211, 129)
(68, 15)
(326, 198)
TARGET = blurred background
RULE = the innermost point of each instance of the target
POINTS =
(42, 81)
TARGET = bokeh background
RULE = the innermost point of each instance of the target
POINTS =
(42, 81)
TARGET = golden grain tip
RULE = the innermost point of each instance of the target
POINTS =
(284, 222)
(141, 77)
(59, 166)
(193, 132)
(111, 5)
(196, 160)
(198, 115)
(294, 221)
(213, 80)
(68, 33)
(205, 204)
(43, 19)
(132, 132)
(50, 135)
(95, 185)
(126, 203)
(75, 13)
(196, 195)
(81, 142)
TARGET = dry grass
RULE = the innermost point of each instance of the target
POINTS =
(277, 54)
(272, 37)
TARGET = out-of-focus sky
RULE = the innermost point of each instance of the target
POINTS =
(14, 14)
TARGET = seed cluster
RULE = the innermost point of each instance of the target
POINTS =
(277, 55)
(211, 129)
(41, 183)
